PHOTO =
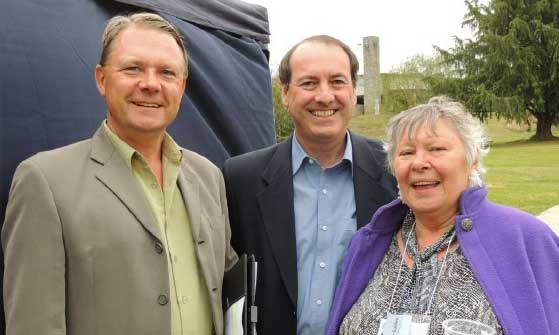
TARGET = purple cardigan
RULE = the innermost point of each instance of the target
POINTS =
(514, 256)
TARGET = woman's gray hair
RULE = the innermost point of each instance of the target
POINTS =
(469, 130)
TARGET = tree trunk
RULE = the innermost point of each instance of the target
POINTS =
(543, 130)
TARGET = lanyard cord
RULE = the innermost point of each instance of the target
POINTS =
(440, 273)
(402, 262)
(400, 267)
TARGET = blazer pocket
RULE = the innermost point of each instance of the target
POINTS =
(214, 236)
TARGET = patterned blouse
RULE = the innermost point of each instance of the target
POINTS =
(457, 295)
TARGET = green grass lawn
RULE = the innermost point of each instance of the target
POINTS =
(520, 173)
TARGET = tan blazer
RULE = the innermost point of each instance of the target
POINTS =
(83, 252)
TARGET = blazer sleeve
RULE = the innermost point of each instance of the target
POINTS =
(230, 254)
(234, 221)
(32, 241)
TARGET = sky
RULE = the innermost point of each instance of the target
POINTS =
(404, 27)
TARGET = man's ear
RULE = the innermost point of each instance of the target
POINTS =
(100, 79)
(184, 81)
(284, 91)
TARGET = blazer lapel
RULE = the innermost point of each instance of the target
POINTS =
(369, 194)
(276, 207)
(116, 176)
(190, 193)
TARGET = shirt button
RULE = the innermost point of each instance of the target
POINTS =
(324, 191)
(322, 265)
(154, 185)
(311, 161)
(319, 302)
(324, 228)
(158, 248)
(162, 300)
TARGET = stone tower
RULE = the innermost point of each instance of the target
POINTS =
(372, 84)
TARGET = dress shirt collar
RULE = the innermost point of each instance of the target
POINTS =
(171, 149)
(298, 154)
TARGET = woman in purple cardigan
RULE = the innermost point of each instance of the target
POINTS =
(443, 251)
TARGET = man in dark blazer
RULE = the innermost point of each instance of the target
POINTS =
(296, 204)
(126, 232)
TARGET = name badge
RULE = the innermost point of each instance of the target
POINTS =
(403, 324)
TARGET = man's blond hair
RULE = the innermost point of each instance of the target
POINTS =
(119, 23)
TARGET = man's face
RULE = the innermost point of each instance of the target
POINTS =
(142, 81)
(320, 96)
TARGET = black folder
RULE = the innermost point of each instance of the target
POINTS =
(239, 289)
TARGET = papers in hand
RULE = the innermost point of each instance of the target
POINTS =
(234, 318)
(239, 290)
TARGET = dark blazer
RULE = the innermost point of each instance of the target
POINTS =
(259, 188)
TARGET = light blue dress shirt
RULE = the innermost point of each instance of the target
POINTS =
(324, 205)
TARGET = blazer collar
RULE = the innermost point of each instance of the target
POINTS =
(280, 163)
(370, 193)
(364, 158)
(118, 178)
(298, 154)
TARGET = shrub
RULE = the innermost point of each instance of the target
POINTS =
(283, 123)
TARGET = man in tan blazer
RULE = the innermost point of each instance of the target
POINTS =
(124, 233)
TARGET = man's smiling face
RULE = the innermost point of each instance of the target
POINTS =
(142, 81)
(320, 96)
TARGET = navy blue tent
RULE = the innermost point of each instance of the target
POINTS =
(48, 98)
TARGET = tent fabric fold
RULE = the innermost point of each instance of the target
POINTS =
(232, 16)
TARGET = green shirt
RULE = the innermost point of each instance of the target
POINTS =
(189, 298)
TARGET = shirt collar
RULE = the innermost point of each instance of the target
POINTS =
(171, 149)
(298, 154)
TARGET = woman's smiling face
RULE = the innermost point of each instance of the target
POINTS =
(431, 169)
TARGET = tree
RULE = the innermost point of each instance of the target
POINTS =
(408, 84)
(510, 68)
(284, 125)
(424, 65)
